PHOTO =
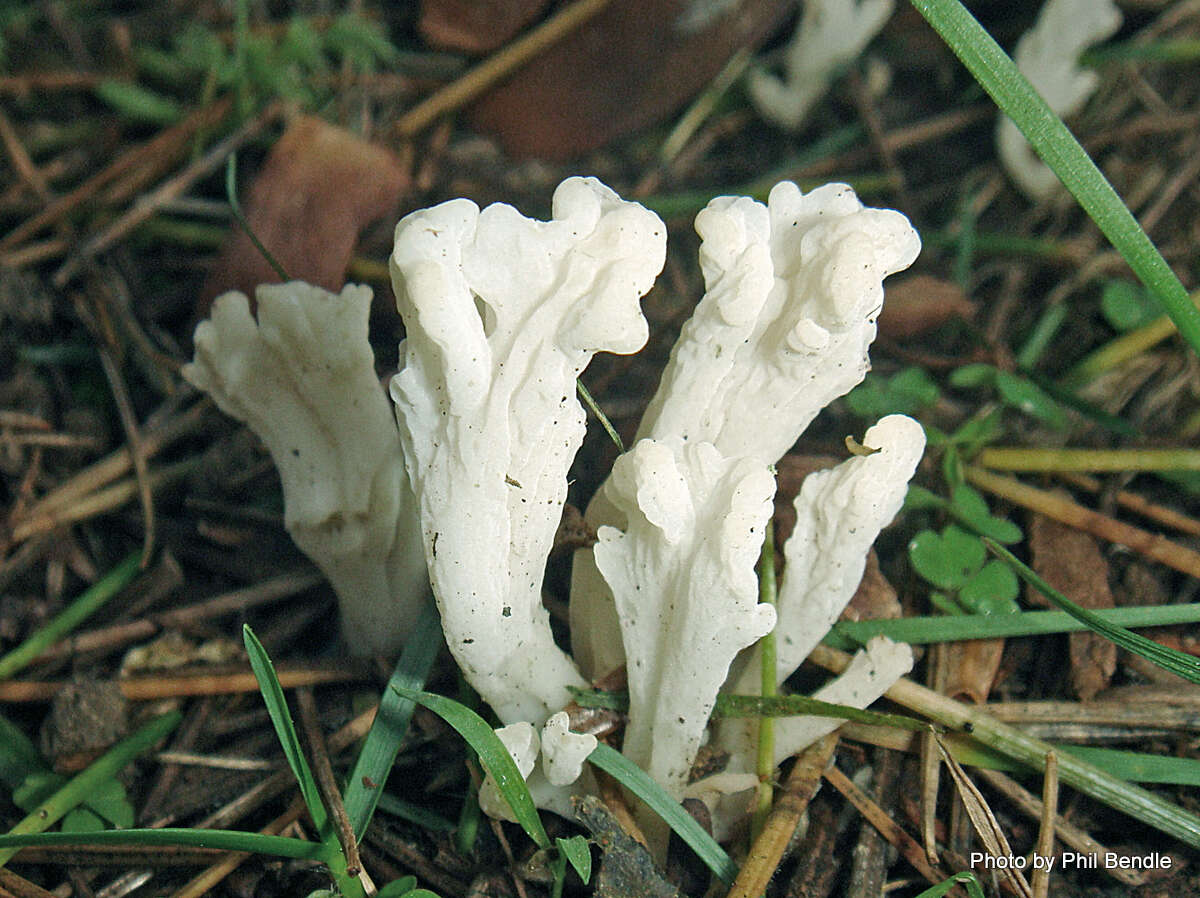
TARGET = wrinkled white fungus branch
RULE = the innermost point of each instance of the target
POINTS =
(839, 513)
(829, 35)
(686, 595)
(1048, 55)
(502, 313)
(561, 773)
(788, 316)
(303, 378)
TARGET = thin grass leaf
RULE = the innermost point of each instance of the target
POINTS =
(1168, 659)
(603, 418)
(492, 755)
(680, 821)
(763, 706)
(219, 839)
(83, 784)
(236, 208)
(1100, 784)
(72, 616)
(414, 813)
(138, 103)
(285, 729)
(848, 635)
(1138, 766)
(1046, 133)
(365, 786)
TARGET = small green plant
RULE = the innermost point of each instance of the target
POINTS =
(907, 392)
(954, 561)
(1127, 306)
(1013, 391)
(294, 64)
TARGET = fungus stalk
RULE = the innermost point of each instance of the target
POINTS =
(502, 313)
(302, 377)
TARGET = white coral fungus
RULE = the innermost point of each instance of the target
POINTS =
(686, 596)
(1048, 55)
(302, 377)
(830, 35)
(792, 292)
(502, 314)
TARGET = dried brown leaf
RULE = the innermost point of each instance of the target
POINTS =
(319, 187)
(627, 67)
(475, 26)
(920, 303)
(1070, 561)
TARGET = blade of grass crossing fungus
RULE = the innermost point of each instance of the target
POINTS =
(81, 786)
(374, 762)
(492, 755)
(285, 729)
(680, 821)
(1168, 659)
(999, 76)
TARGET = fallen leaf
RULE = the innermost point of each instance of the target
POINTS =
(627, 67)
(1070, 561)
(475, 26)
(920, 303)
(319, 187)
(875, 597)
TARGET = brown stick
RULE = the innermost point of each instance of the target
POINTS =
(891, 830)
(331, 795)
(1152, 545)
(767, 851)
(142, 689)
(169, 190)
(161, 145)
(237, 601)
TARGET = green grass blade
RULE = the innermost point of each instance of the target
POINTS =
(236, 209)
(492, 755)
(415, 813)
(1168, 659)
(221, 840)
(681, 822)
(763, 706)
(849, 635)
(77, 790)
(999, 76)
(378, 753)
(1139, 766)
(281, 717)
(72, 616)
